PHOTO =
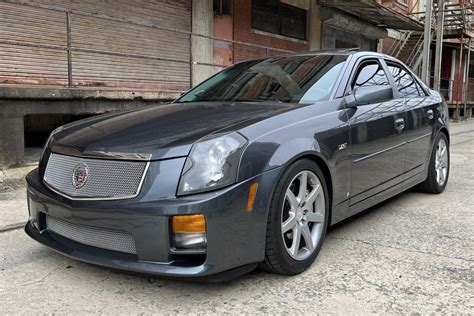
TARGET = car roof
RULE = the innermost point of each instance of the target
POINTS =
(352, 51)
(355, 52)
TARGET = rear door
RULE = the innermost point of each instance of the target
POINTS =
(378, 143)
(420, 114)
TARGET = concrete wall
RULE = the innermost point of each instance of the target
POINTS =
(342, 27)
(16, 102)
(333, 36)
(315, 27)
(202, 48)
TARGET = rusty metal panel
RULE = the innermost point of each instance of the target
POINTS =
(96, 69)
(32, 65)
(32, 45)
(111, 53)
(25, 24)
(118, 54)
(122, 43)
(111, 36)
(173, 14)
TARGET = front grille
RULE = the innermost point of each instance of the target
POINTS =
(105, 179)
(91, 236)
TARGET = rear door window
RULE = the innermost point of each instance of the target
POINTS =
(406, 85)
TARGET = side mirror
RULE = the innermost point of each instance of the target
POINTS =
(369, 95)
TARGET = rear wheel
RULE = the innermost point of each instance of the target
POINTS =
(297, 219)
(438, 169)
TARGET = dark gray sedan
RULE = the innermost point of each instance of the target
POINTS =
(248, 168)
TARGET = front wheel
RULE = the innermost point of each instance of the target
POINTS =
(438, 169)
(297, 220)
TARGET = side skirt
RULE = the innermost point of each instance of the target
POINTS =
(347, 211)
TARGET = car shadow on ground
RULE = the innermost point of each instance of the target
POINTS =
(100, 274)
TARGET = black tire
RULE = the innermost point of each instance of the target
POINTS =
(277, 258)
(431, 185)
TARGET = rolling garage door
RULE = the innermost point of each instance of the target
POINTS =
(122, 44)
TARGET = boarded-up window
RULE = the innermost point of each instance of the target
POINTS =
(279, 18)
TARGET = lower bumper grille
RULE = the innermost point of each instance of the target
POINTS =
(91, 236)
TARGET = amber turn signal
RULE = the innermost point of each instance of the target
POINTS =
(195, 223)
(252, 195)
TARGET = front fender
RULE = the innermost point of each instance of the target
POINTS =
(262, 156)
(325, 136)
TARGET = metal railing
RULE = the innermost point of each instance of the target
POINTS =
(456, 95)
(446, 88)
(398, 43)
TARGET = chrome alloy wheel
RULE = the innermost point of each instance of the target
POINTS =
(441, 162)
(302, 221)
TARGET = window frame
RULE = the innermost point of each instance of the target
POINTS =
(355, 71)
(413, 76)
(280, 33)
(220, 10)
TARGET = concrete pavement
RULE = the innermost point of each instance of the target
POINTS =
(411, 254)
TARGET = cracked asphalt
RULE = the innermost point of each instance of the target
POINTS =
(411, 254)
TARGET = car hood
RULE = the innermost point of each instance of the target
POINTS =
(161, 131)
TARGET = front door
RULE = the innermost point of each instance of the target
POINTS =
(378, 144)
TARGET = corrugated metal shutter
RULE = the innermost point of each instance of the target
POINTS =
(136, 52)
(170, 13)
(114, 43)
(32, 45)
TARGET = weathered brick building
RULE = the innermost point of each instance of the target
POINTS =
(61, 59)
(456, 75)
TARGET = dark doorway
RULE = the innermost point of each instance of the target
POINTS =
(39, 126)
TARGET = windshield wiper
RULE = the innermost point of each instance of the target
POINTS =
(248, 100)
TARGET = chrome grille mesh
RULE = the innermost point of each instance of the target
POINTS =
(106, 179)
(92, 236)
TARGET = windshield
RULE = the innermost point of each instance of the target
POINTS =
(284, 79)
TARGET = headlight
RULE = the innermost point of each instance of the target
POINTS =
(212, 164)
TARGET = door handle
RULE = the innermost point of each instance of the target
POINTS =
(430, 114)
(400, 124)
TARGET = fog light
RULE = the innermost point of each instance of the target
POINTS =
(190, 241)
(189, 232)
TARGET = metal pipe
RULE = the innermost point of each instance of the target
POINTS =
(458, 110)
(69, 49)
(425, 73)
(439, 46)
(466, 78)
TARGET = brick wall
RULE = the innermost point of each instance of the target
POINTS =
(243, 33)
(387, 45)
(399, 6)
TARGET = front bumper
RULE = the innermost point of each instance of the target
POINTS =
(235, 238)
